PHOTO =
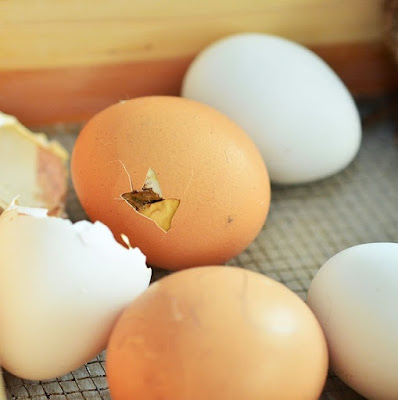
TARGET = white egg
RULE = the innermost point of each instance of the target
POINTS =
(295, 108)
(62, 287)
(355, 298)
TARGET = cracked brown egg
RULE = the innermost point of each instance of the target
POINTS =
(181, 180)
(217, 333)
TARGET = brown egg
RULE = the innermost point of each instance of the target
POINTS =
(180, 179)
(217, 333)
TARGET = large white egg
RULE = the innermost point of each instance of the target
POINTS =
(355, 298)
(62, 287)
(296, 109)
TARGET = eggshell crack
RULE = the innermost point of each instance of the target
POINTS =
(149, 202)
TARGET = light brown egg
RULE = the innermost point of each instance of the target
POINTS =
(217, 333)
(180, 179)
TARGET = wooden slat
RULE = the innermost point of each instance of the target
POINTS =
(75, 94)
(65, 60)
(367, 69)
(62, 33)
(78, 10)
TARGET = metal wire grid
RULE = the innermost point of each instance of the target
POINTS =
(306, 226)
(86, 383)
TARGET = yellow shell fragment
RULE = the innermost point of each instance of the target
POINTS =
(162, 212)
(31, 167)
(149, 202)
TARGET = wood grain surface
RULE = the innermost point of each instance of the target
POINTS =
(46, 34)
(64, 61)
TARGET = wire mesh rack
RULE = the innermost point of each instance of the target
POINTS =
(306, 225)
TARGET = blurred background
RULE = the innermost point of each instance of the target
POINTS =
(65, 60)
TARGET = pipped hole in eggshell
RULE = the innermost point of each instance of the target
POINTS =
(149, 202)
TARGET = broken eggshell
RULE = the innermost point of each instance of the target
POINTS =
(62, 287)
(32, 167)
(149, 202)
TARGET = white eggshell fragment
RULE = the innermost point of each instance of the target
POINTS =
(32, 167)
(291, 103)
(355, 298)
(62, 287)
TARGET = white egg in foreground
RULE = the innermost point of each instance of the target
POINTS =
(355, 298)
(292, 104)
(62, 287)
